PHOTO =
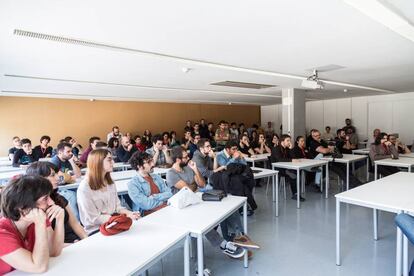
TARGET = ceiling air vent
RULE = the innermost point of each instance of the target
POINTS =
(243, 84)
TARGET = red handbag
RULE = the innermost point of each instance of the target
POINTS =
(116, 224)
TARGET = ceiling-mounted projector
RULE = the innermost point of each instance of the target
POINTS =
(313, 82)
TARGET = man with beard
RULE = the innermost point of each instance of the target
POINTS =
(184, 173)
(147, 190)
(64, 160)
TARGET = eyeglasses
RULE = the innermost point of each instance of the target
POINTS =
(207, 146)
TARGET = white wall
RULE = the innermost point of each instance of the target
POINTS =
(272, 113)
(390, 113)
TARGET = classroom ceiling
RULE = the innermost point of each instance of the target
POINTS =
(141, 50)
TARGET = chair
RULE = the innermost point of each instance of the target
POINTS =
(406, 224)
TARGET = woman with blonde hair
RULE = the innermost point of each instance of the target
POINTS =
(97, 196)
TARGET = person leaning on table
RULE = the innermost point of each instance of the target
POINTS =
(73, 230)
(382, 149)
(27, 239)
(97, 196)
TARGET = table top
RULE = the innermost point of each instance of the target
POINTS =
(257, 157)
(4, 158)
(10, 169)
(301, 164)
(5, 162)
(408, 155)
(361, 151)
(401, 162)
(393, 193)
(261, 172)
(121, 254)
(5, 176)
(347, 158)
(198, 218)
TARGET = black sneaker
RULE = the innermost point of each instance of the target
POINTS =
(316, 188)
(295, 197)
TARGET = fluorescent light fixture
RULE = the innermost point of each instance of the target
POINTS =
(380, 13)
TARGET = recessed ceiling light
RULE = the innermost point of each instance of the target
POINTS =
(345, 90)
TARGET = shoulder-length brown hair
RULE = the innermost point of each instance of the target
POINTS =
(95, 161)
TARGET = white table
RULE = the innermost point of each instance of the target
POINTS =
(361, 151)
(6, 176)
(264, 173)
(303, 164)
(407, 155)
(5, 162)
(127, 253)
(4, 158)
(257, 158)
(401, 163)
(393, 193)
(200, 218)
(10, 169)
(348, 159)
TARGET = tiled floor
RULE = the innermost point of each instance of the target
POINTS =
(302, 242)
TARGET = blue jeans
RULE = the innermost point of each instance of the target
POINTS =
(70, 196)
(406, 224)
(231, 226)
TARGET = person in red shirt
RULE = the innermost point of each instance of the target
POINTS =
(26, 236)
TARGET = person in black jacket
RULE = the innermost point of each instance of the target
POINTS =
(43, 150)
(125, 151)
(24, 156)
(281, 153)
(300, 151)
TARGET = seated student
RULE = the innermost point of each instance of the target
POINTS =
(139, 144)
(166, 139)
(261, 146)
(27, 239)
(101, 145)
(196, 129)
(222, 135)
(73, 230)
(129, 135)
(274, 141)
(328, 135)
(113, 145)
(65, 163)
(92, 145)
(205, 159)
(253, 137)
(188, 126)
(16, 146)
(230, 154)
(203, 129)
(24, 156)
(185, 143)
(381, 149)
(281, 153)
(375, 133)
(147, 138)
(147, 191)
(234, 131)
(398, 144)
(97, 196)
(180, 176)
(43, 150)
(352, 137)
(210, 133)
(159, 152)
(183, 172)
(114, 133)
(193, 145)
(348, 125)
(318, 146)
(173, 139)
(300, 151)
(125, 150)
(244, 146)
(342, 142)
(76, 148)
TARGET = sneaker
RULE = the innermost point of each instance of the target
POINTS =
(245, 242)
(317, 188)
(233, 251)
(295, 197)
